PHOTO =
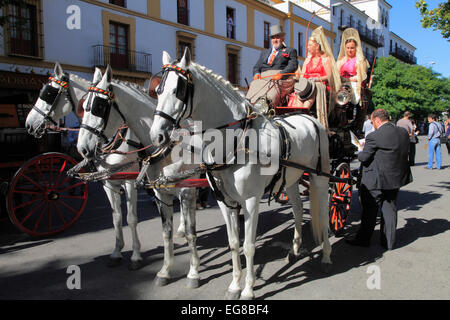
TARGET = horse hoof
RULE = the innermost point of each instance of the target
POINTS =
(326, 267)
(247, 298)
(290, 258)
(161, 282)
(233, 295)
(114, 262)
(193, 283)
(135, 265)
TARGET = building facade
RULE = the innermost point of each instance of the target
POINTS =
(225, 36)
(370, 18)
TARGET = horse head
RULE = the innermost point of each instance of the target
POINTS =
(173, 97)
(53, 103)
(100, 119)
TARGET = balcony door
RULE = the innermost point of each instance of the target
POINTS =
(118, 41)
(23, 29)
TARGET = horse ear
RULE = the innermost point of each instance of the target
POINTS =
(186, 60)
(108, 74)
(58, 71)
(166, 59)
(97, 76)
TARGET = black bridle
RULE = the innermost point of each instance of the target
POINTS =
(184, 93)
(101, 107)
(50, 95)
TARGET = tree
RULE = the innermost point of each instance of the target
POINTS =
(438, 19)
(398, 87)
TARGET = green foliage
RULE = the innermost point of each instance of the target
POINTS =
(398, 87)
(438, 18)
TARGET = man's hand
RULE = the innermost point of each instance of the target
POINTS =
(277, 76)
(257, 77)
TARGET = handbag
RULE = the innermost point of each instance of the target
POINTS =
(443, 138)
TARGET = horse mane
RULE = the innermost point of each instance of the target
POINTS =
(80, 80)
(223, 84)
(134, 90)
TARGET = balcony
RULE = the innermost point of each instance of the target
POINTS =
(131, 61)
(367, 35)
(403, 56)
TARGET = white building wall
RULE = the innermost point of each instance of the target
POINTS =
(169, 10)
(196, 14)
(71, 46)
(240, 21)
(260, 18)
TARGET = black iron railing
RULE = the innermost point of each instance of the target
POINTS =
(403, 55)
(120, 59)
(367, 35)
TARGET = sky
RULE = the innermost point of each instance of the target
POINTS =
(431, 46)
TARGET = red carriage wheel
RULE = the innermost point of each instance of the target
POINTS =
(340, 198)
(42, 199)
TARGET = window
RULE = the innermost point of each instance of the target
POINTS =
(390, 47)
(334, 11)
(351, 21)
(341, 20)
(231, 25)
(183, 12)
(266, 35)
(118, 41)
(300, 42)
(232, 56)
(359, 25)
(185, 39)
(120, 3)
(23, 29)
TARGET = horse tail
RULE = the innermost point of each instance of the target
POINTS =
(318, 191)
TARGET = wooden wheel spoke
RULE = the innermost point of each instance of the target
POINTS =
(39, 171)
(59, 213)
(72, 186)
(68, 207)
(33, 182)
(26, 204)
(61, 170)
(72, 197)
(31, 213)
(27, 191)
(38, 221)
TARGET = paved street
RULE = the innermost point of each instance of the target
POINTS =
(418, 268)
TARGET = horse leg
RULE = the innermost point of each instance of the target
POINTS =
(187, 201)
(297, 208)
(113, 193)
(232, 222)
(181, 231)
(166, 212)
(251, 223)
(132, 220)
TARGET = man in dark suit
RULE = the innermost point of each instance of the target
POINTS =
(271, 65)
(385, 170)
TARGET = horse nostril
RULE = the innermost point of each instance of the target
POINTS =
(160, 138)
(84, 151)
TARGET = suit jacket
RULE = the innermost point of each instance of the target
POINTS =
(285, 60)
(384, 158)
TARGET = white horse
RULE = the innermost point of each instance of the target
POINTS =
(137, 111)
(215, 103)
(69, 100)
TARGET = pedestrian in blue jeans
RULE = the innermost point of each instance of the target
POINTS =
(435, 130)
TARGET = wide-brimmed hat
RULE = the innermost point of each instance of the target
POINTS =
(304, 88)
(274, 30)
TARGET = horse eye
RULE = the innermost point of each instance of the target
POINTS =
(174, 90)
